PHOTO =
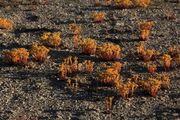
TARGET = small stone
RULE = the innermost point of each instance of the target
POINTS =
(164, 113)
(175, 114)
(119, 24)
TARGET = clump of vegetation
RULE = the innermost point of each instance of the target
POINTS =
(17, 56)
(87, 66)
(144, 35)
(98, 16)
(175, 54)
(151, 68)
(69, 66)
(97, 2)
(155, 55)
(39, 52)
(123, 3)
(142, 3)
(73, 84)
(88, 46)
(166, 61)
(126, 90)
(109, 76)
(165, 81)
(108, 2)
(145, 25)
(148, 54)
(108, 103)
(51, 39)
(152, 86)
(140, 48)
(117, 66)
(173, 51)
(76, 40)
(108, 51)
(6, 24)
(136, 78)
(75, 28)
(145, 28)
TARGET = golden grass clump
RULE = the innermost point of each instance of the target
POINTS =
(88, 46)
(51, 39)
(155, 55)
(123, 3)
(17, 56)
(76, 40)
(69, 66)
(98, 16)
(39, 52)
(108, 51)
(136, 78)
(97, 2)
(117, 66)
(108, 2)
(151, 68)
(175, 54)
(145, 28)
(145, 25)
(166, 61)
(109, 76)
(142, 3)
(147, 54)
(6, 24)
(108, 103)
(126, 90)
(73, 84)
(75, 28)
(140, 48)
(144, 35)
(165, 81)
(152, 86)
(87, 66)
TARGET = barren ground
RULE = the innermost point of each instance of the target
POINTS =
(38, 91)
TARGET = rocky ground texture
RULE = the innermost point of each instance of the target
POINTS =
(38, 92)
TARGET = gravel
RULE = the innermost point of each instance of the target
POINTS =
(38, 92)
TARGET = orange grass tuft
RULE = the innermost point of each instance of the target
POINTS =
(17, 56)
(6, 24)
(166, 61)
(108, 103)
(109, 76)
(152, 86)
(69, 66)
(108, 51)
(51, 39)
(126, 90)
(39, 52)
(75, 28)
(123, 3)
(98, 16)
(142, 3)
(88, 46)
(151, 68)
